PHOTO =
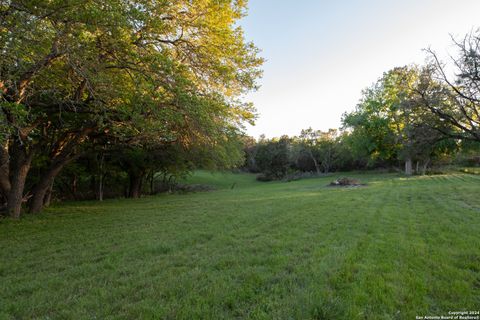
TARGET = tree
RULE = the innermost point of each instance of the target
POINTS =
(369, 126)
(74, 71)
(273, 157)
(250, 150)
(392, 120)
(320, 147)
(457, 101)
(328, 150)
(309, 140)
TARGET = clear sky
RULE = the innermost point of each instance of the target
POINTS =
(321, 54)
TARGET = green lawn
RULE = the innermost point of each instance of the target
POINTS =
(299, 250)
(221, 180)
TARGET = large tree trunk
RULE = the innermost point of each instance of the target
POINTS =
(40, 191)
(135, 185)
(38, 199)
(67, 155)
(15, 196)
(41, 188)
(19, 172)
(408, 166)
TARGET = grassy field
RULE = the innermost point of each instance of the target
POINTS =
(299, 250)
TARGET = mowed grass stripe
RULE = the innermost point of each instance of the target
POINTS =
(392, 250)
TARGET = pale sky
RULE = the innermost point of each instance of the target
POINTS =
(320, 54)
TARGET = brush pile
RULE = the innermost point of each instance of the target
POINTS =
(346, 182)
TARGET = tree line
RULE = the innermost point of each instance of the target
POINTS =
(120, 98)
(412, 117)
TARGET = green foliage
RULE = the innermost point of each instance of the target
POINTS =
(392, 123)
(145, 74)
(272, 158)
(321, 148)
